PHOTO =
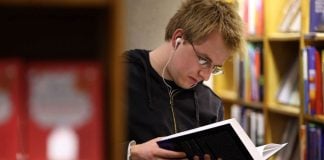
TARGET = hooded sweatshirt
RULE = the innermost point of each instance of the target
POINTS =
(153, 112)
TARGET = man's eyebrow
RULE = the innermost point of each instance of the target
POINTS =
(206, 57)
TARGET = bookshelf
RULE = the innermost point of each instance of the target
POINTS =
(72, 30)
(280, 51)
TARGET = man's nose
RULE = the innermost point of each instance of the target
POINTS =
(205, 74)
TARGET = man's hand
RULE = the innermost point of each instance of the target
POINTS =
(151, 151)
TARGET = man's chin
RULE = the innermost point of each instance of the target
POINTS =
(189, 86)
(193, 85)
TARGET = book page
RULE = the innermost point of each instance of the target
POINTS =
(270, 149)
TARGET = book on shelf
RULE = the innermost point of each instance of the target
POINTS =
(252, 13)
(290, 135)
(316, 16)
(291, 16)
(65, 109)
(305, 80)
(315, 141)
(313, 80)
(296, 23)
(251, 73)
(288, 91)
(12, 109)
(319, 84)
(251, 121)
(221, 140)
(322, 72)
(315, 92)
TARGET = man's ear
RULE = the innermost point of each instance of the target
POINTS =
(178, 42)
(177, 38)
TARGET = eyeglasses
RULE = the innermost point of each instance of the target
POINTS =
(206, 63)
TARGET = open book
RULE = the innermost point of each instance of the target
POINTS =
(225, 140)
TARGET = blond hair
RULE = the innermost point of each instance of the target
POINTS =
(199, 18)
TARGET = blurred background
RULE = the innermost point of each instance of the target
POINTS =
(61, 83)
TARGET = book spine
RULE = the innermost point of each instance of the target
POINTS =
(318, 81)
(311, 80)
(305, 79)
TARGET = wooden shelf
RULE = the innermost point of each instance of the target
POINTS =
(227, 95)
(315, 118)
(314, 37)
(284, 37)
(254, 38)
(285, 110)
(252, 105)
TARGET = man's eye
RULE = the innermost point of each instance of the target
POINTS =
(202, 61)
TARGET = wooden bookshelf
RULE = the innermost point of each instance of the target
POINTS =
(72, 30)
(280, 51)
(285, 110)
(284, 36)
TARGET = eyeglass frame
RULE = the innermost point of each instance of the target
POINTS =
(216, 69)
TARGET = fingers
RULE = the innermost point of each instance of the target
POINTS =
(151, 151)
(206, 157)
(163, 153)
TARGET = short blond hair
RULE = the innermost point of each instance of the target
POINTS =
(199, 18)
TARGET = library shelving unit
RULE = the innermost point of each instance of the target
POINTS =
(280, 51)
(72, 30)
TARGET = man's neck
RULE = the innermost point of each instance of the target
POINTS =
(159, 58)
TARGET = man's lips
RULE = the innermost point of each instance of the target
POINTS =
(193, 80)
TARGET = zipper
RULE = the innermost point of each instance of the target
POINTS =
(172, 95)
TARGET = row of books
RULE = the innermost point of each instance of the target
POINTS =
(251, 121)
(312, 136)
(251, 12)
(50, 110)
(291, 19)
(250, 73)
(313, 61)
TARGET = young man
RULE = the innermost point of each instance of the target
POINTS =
(165, 90)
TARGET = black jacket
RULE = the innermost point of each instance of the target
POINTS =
(149, 111)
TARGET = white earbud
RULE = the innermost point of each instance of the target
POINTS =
(178, 41)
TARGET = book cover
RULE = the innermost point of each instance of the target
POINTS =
(311, 141)
(319, 83)
(259, 17)
(316, 16)
(12, 128)
(311, 51)
(65, 102)
(322, 65)
(305, 79)
(252, 14)
(221, 140)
